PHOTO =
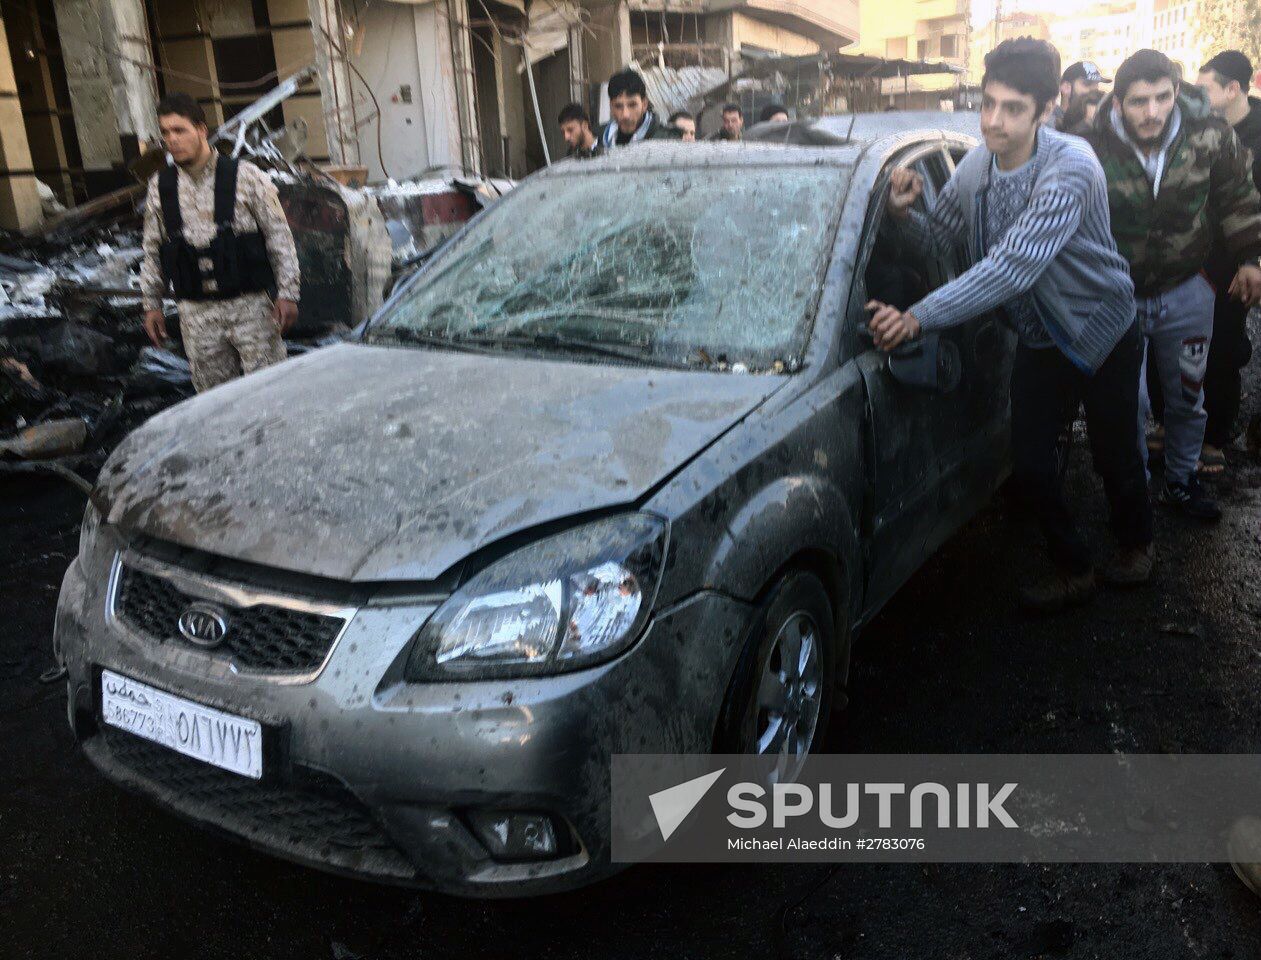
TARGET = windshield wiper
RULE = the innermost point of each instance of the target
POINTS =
(426, 339)
(489, 344)
(556, 341)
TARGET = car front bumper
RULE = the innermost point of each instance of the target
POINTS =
(368, 775)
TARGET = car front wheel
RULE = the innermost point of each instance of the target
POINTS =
(780, 699)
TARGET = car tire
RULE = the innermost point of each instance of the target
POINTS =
(796, 614)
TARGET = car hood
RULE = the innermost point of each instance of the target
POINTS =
(372, 463)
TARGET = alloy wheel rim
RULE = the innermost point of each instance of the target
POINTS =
(788, 697)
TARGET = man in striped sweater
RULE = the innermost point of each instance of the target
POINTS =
(1030, 205)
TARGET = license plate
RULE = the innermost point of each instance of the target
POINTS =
(200, 732)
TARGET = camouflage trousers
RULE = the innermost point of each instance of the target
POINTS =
(225, 339)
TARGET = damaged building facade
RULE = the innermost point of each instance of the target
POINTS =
(400, 89)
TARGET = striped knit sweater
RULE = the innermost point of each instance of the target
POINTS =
(1060, 250)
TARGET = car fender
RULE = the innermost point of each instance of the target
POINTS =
(789, 516)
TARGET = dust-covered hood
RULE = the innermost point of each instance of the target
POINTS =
(375, 463)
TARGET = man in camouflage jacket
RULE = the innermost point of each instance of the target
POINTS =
(1177, 177)
(224, 336)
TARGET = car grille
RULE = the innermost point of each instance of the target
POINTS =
(318, 822)
(261, 637)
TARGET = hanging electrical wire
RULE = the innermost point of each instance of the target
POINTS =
(337, 48)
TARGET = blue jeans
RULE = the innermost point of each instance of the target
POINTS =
(1177, 328)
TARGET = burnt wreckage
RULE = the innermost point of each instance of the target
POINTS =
(77, 372)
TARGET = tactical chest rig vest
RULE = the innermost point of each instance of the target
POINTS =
(239, 262)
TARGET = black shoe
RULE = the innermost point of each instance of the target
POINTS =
(1191, 499)
(1130, 567)
(1058, 591)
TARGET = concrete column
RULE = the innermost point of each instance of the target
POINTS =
(510, 84)
(453, 35)
(19, 198)
(83, 45)
(577, 65)
(609, 50)
(336, 92)
(294, 44)
(440, 90)
(135, 86)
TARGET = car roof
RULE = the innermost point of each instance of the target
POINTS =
(673, 153)
(875, 126)
(833, 141)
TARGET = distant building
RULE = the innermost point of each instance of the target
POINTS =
(715, 32)
(1109, 33)
(401, 87)
(985, 39)
(1105, 34)
(1175, 33)
(931, 30)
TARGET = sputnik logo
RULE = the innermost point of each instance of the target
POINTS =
(672, 805)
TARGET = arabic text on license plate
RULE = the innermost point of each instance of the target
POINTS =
(203, 733)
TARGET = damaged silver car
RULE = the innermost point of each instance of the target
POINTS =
(618, 471)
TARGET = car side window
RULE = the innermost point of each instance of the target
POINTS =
(894, 273)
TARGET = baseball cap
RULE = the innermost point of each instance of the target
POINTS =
(1232, 65)
(1084, 70)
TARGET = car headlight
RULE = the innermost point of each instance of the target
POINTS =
(565, 602)
(87, 530)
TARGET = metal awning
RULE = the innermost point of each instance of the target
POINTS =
(671, 89)
(844, 66)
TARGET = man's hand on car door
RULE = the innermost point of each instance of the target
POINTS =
(905, 187)
(890, 326)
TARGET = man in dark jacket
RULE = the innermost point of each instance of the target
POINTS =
(633, 118)
(575, 129)
(1178, 179)
(1226, 79)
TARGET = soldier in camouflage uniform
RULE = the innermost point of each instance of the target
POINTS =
(1177, 177)
(224, 336)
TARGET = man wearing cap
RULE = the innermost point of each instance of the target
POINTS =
(1079, 79)
(1226, 79)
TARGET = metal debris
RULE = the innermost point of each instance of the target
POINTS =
(56, 438)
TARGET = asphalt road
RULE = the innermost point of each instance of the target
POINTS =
(951, 666)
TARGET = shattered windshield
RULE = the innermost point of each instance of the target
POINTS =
(713, 268)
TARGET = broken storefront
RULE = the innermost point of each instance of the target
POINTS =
(76, 370)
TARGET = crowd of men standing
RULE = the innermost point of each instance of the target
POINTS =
(633, 120)
(1120, 234)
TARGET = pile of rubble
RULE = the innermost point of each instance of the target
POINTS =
(77, 371)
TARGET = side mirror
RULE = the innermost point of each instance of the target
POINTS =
(928, 363)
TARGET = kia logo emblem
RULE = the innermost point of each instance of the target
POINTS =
(204, 624)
